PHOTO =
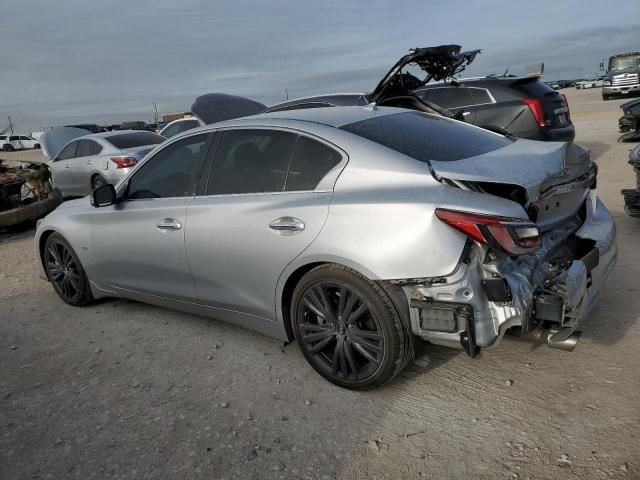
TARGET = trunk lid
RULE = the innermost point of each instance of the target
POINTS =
(550, 180)
(52, 141)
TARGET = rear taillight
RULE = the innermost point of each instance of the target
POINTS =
(514, 235)
(536, 108)
(566, 105)
(124, 161)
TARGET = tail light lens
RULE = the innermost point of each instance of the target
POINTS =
(566, 104)
(124, 161)
(515, 236)
(536, 108)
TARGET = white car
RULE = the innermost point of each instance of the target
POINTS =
(179, 126)
(17, 142)
(592, 83)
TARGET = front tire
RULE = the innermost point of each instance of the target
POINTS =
(606, 97)
(347, 328)
(65, 271)
(8, 148)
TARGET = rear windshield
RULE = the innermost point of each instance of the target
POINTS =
(134, 139)
(428, 137)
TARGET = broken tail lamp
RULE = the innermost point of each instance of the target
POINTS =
(536, 109)
(124, 161)
(513, 235)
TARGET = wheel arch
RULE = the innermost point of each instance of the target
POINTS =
(42, 240)
(294, 273)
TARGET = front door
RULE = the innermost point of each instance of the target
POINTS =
(266, 199)
(139, 242)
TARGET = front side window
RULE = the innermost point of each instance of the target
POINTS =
(310, 162)
(174, 171)
(69, 151)
(251, 161)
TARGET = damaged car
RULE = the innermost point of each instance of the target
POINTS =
(520, 106)
(629, 122)
(26, 193)
(360, 232)
(632, 195)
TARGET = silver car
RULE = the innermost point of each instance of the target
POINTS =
(89, 161)
(357, 231)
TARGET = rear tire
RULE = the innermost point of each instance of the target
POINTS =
(37, 146)
(65, 272)
(348, 328)
(8, 148)
(98, 181)
(606, 97)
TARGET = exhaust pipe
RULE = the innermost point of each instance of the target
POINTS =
(561, 338)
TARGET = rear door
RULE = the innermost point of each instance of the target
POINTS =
(266, 199)
(61, 169)
(87, 162)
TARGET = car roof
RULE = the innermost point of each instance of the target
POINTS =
(330, 116)
(113, 133)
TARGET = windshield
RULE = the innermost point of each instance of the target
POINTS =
(428, 137)
(625, 62)
(131, 140)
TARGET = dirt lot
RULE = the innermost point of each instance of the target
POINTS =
(126, 390)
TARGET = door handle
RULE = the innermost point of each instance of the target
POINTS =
(67, 166)
(169, 224)
(464, 114)
(287, 225)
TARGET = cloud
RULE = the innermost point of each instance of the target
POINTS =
(77, 61)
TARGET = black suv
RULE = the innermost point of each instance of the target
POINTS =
(520, 106)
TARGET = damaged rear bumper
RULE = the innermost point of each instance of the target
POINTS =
(490, 293)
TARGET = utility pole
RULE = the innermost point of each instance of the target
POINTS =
(286, 92)
(155, 112)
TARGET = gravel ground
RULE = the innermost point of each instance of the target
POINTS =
(126, 390)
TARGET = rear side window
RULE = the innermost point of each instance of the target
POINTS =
(448, 97)
(251, 161)
(174, 171)
(69, 151)
(132, 140)
(310, 162)
(480, 96)
(88, 148)
(427, 137)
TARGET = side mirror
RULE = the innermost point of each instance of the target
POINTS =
(103, 196)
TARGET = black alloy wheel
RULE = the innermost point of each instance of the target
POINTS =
(347, 328)
(65, 272)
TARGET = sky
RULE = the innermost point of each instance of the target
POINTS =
(72, 61)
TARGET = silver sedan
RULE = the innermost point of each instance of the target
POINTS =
(90, 161)
(357, 231)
